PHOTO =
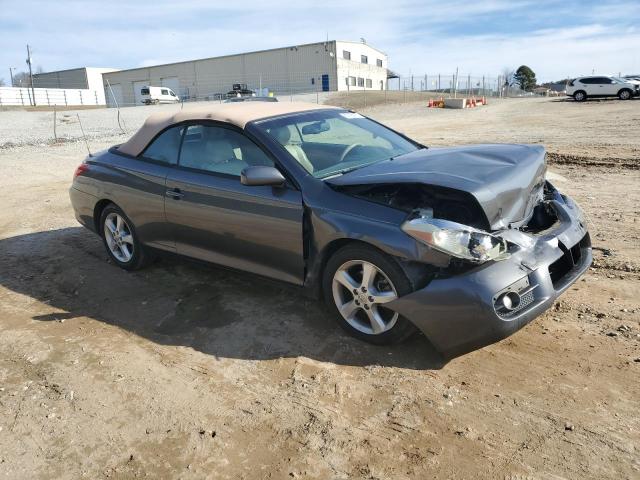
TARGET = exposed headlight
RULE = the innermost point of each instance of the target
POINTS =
(457, 240)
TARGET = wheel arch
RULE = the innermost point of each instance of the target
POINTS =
(319, 261)
(97, 212)
(417, 273)
(626, 89)
(579, 91)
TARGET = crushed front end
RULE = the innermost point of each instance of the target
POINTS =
(483, 303)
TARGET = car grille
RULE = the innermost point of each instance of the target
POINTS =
(569, 259)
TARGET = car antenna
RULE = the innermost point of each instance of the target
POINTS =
(83, 135)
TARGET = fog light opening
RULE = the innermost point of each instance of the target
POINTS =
(508, 301)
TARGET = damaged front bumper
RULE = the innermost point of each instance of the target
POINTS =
(461, 313)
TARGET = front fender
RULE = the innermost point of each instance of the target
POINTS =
(331, 228)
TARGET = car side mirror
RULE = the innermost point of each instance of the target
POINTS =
(261, 175)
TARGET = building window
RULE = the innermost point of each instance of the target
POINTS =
(364, 59)
(313, 81)
(346, 54)
(352, 81)
(369, 84)
(360, 82)
(379, 62)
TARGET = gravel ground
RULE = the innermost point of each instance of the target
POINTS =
(186, 371)
(19, 128)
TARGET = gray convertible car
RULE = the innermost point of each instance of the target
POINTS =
(466, 244)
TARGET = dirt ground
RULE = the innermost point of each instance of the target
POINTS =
(187, 371)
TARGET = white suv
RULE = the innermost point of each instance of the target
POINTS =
(584, 87)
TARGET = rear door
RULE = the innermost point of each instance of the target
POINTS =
(137, 94)
(216, 218)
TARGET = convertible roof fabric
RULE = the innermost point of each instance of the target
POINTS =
(238, 113)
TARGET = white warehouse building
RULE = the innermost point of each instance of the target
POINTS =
(85, 78)
(316, 67)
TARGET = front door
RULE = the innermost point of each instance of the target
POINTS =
(606, 86)
(325, 83)
(216, 218)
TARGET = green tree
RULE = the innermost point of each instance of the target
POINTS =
(525, 77)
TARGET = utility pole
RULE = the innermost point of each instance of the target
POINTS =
(11, 69)
(33, 92)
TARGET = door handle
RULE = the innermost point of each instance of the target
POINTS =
(174, 193)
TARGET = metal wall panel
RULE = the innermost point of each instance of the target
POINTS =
(75, 78)
(283, 71)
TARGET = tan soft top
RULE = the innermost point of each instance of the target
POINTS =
(236, 113)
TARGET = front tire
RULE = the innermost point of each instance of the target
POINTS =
(625, 94)
(580, 96)
(358, 281)
(120, 239)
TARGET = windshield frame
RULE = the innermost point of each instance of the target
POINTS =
(334, 170)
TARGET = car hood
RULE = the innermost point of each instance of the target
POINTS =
(506, 180)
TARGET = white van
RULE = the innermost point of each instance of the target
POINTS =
(154, 95)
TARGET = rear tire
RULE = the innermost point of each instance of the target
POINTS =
(121, 240)
(362, 312)
(625, 94)
(580, 96)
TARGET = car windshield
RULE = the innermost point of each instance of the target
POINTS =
(331, 142)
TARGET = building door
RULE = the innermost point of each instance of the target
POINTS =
(325, 83)
(171, 82)
(113, 95)
(137, 95)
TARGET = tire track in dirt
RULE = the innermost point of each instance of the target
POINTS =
(569, 159)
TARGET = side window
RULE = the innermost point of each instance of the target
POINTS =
(605, 80)
(165, 147)
(164, 92)
(220, 150)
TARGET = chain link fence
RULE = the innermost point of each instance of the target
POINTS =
(354, 89)
(124, 88)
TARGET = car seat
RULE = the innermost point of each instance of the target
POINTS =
(283, 135)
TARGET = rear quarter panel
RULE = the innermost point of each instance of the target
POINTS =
(136, 186)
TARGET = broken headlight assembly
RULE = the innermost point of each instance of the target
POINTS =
(455, 239)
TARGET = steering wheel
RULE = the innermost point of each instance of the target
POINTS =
(348, 150)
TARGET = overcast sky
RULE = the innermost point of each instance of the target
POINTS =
(556, 39)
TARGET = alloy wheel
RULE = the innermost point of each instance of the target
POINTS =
(360, 292)
(117, 234)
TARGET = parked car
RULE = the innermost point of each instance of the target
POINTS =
(631, 79)
(598, 86)
(250, 99)
(466, 244)
(155, 95)
(240, 90)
